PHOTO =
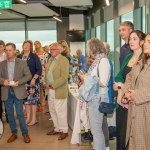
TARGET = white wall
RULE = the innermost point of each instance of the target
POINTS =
(76, 22)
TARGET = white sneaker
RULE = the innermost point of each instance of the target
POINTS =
(107, 148)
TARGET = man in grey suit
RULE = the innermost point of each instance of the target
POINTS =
(14, 73)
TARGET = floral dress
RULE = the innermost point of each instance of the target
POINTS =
(33, 92)
(43, 58)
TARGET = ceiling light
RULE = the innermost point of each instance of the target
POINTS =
(107, 2)
(57, 18)
(23, 1)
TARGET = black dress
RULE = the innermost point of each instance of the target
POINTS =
(121, 118)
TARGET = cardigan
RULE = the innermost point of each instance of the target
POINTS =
(34, 65)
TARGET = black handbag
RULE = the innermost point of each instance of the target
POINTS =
(106, 108)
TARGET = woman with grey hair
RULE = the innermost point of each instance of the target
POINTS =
(100, 68)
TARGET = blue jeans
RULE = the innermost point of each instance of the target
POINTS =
(9, 104)
(96, 120)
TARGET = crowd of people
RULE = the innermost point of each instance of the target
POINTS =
(39, 76)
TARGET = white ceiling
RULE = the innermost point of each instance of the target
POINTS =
(71, 2)
(37, 9)
(34, 10)
(9, 15)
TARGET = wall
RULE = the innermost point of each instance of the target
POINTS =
(76, 22)
(62, 28)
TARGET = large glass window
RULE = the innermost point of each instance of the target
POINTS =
(42, 30)
(14, 32)
(110, 38)
(46, 37)
(127, 17)
(98, 32)
(144, 29)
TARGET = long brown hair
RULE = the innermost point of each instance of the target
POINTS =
(145, 57)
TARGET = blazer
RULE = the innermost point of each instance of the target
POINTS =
(21, 74)
(60, 75)
(34, 65)
(138, 124)
(119, 77)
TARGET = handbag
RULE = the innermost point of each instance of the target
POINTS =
(106, 108)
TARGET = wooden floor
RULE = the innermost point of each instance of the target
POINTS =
(39, 139)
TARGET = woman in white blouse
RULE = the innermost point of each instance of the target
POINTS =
(101, 68)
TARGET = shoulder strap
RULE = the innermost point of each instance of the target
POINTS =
(98, 67)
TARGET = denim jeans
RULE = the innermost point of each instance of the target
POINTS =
(9, 104)
(96, 120)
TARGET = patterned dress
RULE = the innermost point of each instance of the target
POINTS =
(33, 92)
(43, 58)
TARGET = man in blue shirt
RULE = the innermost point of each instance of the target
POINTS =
(121, 113)
(81, 61)
(124, 31)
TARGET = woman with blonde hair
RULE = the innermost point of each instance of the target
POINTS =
(43, 56)
(65, 48)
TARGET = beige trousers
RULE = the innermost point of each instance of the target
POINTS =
(58, 111)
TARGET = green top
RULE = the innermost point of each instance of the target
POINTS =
(50, 78)
(119, 77)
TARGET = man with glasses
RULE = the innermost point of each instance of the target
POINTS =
(57, 83)
(2, 57)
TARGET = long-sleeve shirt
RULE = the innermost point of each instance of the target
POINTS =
(104, 74)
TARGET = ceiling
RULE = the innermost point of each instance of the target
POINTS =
(48, 8)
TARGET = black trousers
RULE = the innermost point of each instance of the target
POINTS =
(121, 126)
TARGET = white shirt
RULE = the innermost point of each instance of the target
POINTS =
(104, 73)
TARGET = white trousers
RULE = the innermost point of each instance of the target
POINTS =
(58, 111)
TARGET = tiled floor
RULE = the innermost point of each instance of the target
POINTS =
(40, 141)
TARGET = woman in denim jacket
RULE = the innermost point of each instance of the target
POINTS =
(101, 68)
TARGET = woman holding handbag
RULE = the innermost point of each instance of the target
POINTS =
(99, 68)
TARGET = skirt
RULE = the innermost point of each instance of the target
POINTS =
(33, 94)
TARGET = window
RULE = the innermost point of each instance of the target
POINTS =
(110, 38)
(46, 37)
(43, 31)
(127, 17)
(13, 32)
(98, 32)
(144, 29)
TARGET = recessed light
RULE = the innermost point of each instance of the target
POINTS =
(23, 1)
